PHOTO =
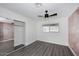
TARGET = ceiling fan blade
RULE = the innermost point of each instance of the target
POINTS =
(40, 16)
(55, 14)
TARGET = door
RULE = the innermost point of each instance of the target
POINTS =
(19, 33)
(74, 31)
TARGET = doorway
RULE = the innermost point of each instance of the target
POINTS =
(19, 33)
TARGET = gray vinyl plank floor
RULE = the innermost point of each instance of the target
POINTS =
(40, 48)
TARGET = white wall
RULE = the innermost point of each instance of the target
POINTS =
(29, 35)
(59, 38)
(62, 36)
(31, 31)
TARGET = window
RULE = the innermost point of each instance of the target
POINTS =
(54, 29)
(51, 27)
(45, 28)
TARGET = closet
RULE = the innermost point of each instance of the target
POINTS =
(12, 34)
(6, 36)
(74, 31)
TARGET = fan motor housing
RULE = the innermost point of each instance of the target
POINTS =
(46, 15)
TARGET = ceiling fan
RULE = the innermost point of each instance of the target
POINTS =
(46, 15)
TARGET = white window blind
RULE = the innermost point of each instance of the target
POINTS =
(51, 27)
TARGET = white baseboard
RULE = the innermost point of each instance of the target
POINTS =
(53, 42)
(14, 50)
(63, 45)
(30, 43)
(72, 51)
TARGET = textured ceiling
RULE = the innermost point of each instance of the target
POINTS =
(32, 11)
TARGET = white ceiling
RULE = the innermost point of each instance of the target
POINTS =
(32, 11)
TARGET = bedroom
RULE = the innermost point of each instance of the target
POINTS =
(27, 31)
